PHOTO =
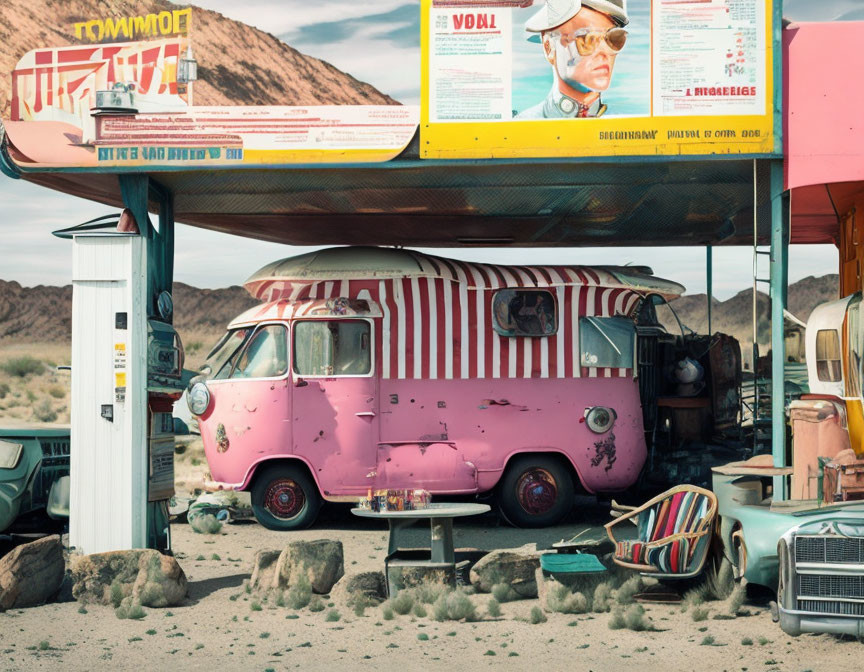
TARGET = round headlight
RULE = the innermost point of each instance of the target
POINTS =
(198, 398)
(600, 419)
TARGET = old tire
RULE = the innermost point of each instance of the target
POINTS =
(284, 497)
(535, 491)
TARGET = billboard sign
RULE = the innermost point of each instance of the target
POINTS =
(594, 78)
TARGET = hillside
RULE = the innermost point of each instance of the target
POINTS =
(238, 64)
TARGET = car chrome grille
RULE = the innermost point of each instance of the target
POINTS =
(829, 607)
(815, 585)
(831, 550)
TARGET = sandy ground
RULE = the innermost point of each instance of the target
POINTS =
(218, 626)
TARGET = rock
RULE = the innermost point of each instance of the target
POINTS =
(321, 561)
(31, 574)
(515, 567)
(263, 569)
(145, 575)
(367, 586)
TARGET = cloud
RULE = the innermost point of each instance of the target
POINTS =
(399, 27)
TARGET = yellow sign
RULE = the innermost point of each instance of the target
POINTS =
(598, 78)
(163, 24)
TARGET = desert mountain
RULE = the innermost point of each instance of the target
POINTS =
(43, 314)
(238, 64)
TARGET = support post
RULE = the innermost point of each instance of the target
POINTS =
(709, 282)
(779, 281)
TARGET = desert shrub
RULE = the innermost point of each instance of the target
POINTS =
(205, 524)
(44, 411)
(332, 616)
(402, 602)
(626, 591)
(616, 621)
(559, 599)
(736, 599)
(116, 593)
(316, 604)
(419, 610)
(635, 618)
(387, 612)
(602, 601)
(4, 390)
(20, 367)
(130, 608)
(429, 592)
(299, 594)
(504, 593)
(57, 392)
(536, 616)
(494, 608)
(694, 597)
(453, 606)
(699, 614)
(707, 640)
(746, 641)
(720, 583)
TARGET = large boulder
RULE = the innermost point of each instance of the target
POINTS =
(321, 561)
(515, 567)
(147, 576)
(365, 587)
(32, 573)
(264, 569)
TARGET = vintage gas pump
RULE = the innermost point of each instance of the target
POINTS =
(127, 370)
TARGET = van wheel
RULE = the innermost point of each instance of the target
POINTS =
(536, 491)
(284, 497)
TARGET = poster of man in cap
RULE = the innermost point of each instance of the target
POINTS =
(581, 40)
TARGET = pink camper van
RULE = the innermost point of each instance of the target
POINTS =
(374, 368)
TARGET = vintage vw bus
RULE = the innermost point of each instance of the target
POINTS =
(371, 368)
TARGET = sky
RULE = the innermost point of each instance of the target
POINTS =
(376, 42)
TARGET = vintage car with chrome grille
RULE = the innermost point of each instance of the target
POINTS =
(821, 584)
(34, 475)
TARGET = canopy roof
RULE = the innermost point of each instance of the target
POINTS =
(285, 278)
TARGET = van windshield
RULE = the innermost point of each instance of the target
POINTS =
(219, 360)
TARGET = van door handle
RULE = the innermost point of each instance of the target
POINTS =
(365, 414)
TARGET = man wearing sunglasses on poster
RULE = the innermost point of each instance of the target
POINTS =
(580, 39)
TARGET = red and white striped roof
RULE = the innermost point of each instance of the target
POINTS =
(288, 278)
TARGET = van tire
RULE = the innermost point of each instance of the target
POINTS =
(284, 497)
(535, 491)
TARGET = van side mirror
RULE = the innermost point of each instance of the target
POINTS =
(299, 382)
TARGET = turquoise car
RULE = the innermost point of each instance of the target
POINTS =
(34, 474)
(811, 554)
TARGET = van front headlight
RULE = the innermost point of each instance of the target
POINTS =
(198, 398)
(10, 454)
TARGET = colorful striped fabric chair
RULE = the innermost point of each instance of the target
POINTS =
(673, 533)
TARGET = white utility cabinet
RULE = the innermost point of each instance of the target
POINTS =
(109, 451)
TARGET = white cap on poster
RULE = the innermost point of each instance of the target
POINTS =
(555, 12)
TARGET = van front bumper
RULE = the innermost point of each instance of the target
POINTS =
(796, 622)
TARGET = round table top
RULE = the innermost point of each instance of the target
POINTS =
(433, 510)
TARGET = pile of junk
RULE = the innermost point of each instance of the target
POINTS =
(808, 545)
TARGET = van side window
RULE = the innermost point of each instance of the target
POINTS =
(524, 312)
(266, 354)
(828, 356)
(332, 348)
(607, 341)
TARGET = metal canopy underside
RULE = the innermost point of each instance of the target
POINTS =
(453, 203)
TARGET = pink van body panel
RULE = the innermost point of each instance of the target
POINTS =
(450, 400)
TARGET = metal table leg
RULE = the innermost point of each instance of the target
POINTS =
(441, 544)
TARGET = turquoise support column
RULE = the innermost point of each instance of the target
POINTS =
(779, 280)
(709, 282)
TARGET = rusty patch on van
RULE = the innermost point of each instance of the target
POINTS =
(222, 443)
(604, 449)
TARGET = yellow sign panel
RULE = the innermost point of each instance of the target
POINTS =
(163, 24)
(596, 78)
